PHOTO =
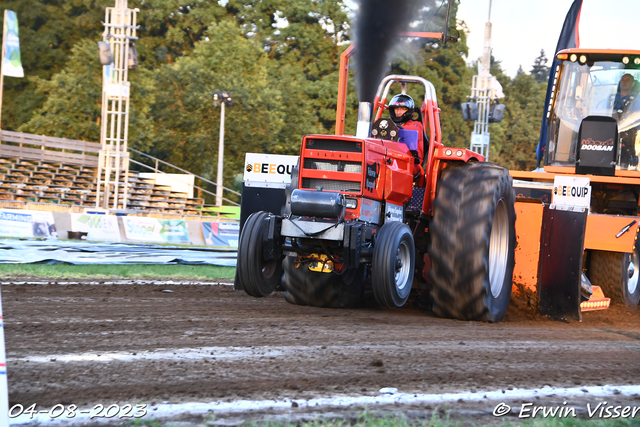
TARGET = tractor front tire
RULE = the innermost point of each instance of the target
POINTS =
(306, 287)
(393, 264)
(617, 274)
(473, 241)
(257, 275)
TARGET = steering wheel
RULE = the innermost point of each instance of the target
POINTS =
(384, 128)
(606, 103)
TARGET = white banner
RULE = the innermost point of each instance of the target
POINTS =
(19, 223)
(99, 228)
(11, 63)
(269, 168)
(155, 230)
(572, 191)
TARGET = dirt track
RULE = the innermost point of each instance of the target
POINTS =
(99, 343)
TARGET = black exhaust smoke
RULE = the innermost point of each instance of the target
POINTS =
(377, 25)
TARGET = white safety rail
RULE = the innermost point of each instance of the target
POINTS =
(120, 32)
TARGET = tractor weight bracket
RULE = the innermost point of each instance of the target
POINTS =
(271, 239)
(352, 244)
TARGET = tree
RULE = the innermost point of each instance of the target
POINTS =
(73, 101)
(516, 147)
(271, 110)
(278, 58)
(48, 31)
(540, 71)
(72, 106)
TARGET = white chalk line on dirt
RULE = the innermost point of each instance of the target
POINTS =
(239, 353)
(171, 410)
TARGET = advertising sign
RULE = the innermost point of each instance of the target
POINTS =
(572, 191)
(221, 233)
(598, 146)
(19, 223)
(156, 230)
(100, 228)
(274, 170)
(11, 62)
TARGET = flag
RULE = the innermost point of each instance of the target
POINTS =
(11, 63)
(569, 39)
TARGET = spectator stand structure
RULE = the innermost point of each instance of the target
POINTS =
(61, 175)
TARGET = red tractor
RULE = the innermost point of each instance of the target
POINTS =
(363, 215)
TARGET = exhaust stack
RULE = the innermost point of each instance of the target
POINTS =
(363, 130)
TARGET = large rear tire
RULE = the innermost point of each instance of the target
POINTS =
(306, 287)
(473, 241)
(617, 274)
(393, 265)
(257, 276)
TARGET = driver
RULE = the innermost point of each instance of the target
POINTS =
(401, 109)
(627, 93)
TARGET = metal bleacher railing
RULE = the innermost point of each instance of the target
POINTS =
(83, 153)
(72, 151)
(157, 170)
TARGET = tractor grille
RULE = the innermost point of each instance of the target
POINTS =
(334, 145)
(331, 185)
(333, 165)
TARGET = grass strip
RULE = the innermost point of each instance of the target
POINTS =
(124, 271)
(450, 420)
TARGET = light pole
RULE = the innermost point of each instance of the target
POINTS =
(224, 98)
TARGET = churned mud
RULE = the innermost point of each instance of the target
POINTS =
(107, 342)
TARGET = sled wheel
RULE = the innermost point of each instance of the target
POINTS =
(258, 276)
(617, 274)
(306, 287)
(473, 241)
(393, 264)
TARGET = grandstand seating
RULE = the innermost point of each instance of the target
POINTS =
(43, 181)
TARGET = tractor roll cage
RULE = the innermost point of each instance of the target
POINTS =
(430, 117)
(429, 107)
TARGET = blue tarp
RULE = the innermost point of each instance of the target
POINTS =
(53, 251)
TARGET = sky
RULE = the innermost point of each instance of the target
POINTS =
(520, 28)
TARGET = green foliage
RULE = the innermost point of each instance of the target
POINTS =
(514, 140)
(521, 125)
(49, 29)
(72, 106)
(368, 419)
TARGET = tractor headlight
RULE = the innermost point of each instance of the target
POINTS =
(351, 203)
(625, 60)
(583, 59)
(448, 152)
(459, 153)
(573, 57)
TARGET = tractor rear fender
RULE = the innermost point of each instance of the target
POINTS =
(444, 157)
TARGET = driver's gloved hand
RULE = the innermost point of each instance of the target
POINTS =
(633, 161)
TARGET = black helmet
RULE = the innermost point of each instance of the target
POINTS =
(401, 101)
